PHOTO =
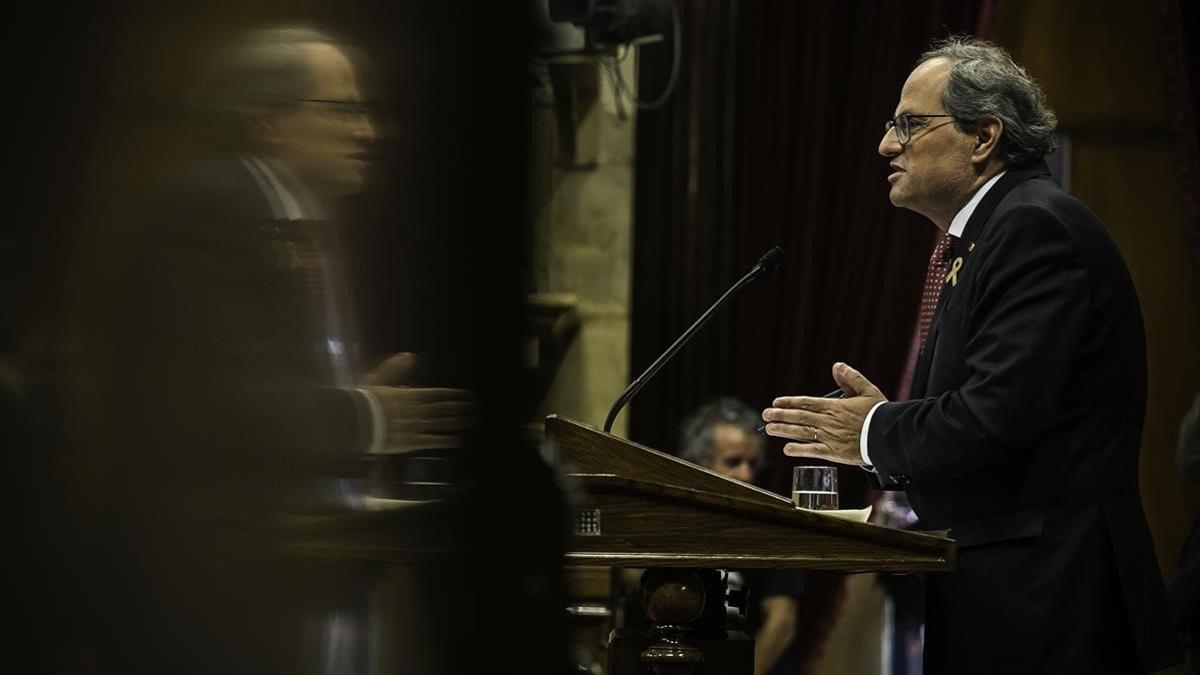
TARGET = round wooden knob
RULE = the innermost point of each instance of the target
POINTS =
(672, 597)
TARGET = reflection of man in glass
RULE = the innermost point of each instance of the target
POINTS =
(230, 375)
(297, 96)
(286, 101)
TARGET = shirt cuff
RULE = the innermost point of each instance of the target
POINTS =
(378, 430)
(862, 436)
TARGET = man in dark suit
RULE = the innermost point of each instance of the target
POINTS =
(228, 384)
(1022, 433)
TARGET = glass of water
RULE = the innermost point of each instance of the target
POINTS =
(815, 487)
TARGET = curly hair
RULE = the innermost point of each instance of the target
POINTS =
(985, 82)
(696, 433)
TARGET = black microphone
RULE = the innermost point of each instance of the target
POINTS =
(765, 265)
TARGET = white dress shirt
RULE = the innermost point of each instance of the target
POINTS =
(957, 225)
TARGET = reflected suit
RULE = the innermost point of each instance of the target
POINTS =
(225, 378)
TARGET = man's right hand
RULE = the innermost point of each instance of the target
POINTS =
(417, 418)
(423, 418)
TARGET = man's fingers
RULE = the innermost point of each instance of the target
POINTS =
(424, 395)
(796, 431)
(812, 419)
(853, 382)
(432, 394)
(434, 441)
(433, 408)
(438, 424)
(445, 416)
(414, 442)
(813, 450)
(800, 402)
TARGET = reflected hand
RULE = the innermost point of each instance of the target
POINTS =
(828, 429)
(417, 418)
(423, 418)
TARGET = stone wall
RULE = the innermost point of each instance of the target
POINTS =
(582, 182)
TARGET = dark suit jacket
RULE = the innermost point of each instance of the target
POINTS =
(218, 351)
(1022, 439)
(219, 417)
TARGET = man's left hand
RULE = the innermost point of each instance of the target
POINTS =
(827, 428)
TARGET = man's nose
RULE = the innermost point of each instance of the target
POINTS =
(889, 145)
(364, 129)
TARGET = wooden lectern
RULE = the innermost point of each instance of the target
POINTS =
(642, 508)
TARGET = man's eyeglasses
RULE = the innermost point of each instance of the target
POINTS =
(344, 108)
(903, 125)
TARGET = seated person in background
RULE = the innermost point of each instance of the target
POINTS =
(722, 436)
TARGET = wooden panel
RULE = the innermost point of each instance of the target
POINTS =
(655, 510)
(585, 450)
(646, 525)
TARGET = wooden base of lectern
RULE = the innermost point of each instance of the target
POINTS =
(728, 654)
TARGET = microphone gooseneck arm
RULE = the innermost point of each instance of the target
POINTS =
(764, 265)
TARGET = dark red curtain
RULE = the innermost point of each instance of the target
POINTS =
(770, 139)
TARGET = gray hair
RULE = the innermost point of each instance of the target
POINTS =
(985, 82)
(265, 68)
(697, 432)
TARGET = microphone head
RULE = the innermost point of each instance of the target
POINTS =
(769, 261)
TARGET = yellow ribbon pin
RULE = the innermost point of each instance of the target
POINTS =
(952, 276)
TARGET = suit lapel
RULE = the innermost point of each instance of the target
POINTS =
(962, 249)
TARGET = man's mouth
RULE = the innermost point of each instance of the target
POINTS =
(896, 174)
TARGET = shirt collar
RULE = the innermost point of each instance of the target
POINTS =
(272, 179)
(964, 214)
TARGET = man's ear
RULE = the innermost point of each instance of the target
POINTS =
(987, 139)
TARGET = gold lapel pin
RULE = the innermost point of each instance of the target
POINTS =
(952, 276)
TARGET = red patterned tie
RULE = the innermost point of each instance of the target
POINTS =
(935, 278)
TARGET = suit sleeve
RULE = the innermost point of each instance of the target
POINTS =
(1029, 314)
(207, 376)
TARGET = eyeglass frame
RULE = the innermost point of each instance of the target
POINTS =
(908, 118)
(356, 108)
